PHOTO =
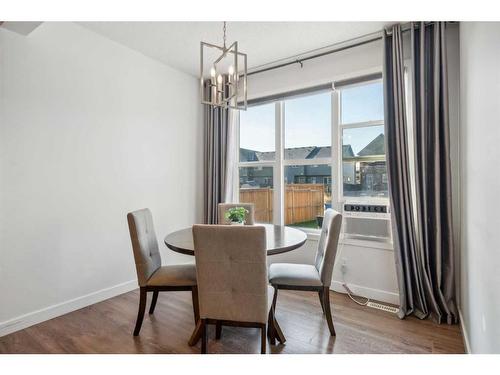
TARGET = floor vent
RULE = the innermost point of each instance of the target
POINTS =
(385, 308)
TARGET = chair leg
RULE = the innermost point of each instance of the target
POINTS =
(328, 311)
(271, 332)
(320, 294)
(153, 302)
(196, 306)
(277, 329)
(195, 336)
(203, 336)
(263, 339)
(278, 332)
(218, 330)
(275, 297)
(140, 313)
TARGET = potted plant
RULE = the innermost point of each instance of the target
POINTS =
(236, 215)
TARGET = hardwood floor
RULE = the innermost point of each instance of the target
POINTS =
(107, 327)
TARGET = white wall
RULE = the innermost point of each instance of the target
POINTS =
(480, 151)
(370, 270)
(89, 131)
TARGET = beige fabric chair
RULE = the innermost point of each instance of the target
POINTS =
(317, 277)
(249, 218)
(151, 275)
(232, 278)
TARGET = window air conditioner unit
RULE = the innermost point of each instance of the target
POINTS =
(369, 222)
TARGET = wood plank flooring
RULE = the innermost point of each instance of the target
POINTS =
(107, 327)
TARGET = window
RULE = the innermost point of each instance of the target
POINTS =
(308, 127)
(362, 103)
(257, 133)
(257, 156)
(307, 193)
(321, 138)
(256, 186)
(364, 172)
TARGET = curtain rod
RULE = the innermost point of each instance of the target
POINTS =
(300, 61)
(351, 43)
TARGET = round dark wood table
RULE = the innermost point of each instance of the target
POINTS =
(279, 239)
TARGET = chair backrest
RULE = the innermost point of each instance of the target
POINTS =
(249, 217)
(327, 246)
(231, 271)
(146, 253)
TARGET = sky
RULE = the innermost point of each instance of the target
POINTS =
(308, 120)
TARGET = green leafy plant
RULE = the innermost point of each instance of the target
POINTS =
(236, 214)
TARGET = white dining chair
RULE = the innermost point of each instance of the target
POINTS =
(232, 279)
(308, 277)
(151, 275)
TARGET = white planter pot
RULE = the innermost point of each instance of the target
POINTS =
(236, 223)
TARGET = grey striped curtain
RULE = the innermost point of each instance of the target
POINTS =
(215, 120)
(421, 214)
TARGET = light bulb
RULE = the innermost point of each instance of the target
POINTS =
(230, 70)
(212, 72)
(219, 79)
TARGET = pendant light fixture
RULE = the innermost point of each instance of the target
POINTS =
(223, 75)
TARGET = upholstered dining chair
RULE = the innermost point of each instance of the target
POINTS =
(317, 277)
(232, 279)
(249, 217)
(151, 275)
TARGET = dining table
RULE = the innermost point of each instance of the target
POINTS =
(279, 239)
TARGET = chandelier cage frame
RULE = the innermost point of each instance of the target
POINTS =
(224, 91)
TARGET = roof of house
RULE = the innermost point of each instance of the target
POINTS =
(375, 147)
(248, 155)
(265, 155)
(296, 153)
(299, 152)
(347, 151)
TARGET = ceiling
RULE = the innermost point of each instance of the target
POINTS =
(178, 43)
(20, 27)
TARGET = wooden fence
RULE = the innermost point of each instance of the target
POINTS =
(303, 202)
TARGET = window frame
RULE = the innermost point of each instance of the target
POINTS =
(335, 161)
(276, 165)
(342, 199)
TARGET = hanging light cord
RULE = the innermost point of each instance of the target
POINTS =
(224, 31)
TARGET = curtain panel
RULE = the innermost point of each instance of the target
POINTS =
(216, 143)
(421, 212)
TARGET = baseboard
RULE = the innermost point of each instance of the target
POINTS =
(465, 335)
(362, 291)
(35, 317)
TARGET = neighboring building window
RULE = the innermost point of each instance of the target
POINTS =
(303, 126)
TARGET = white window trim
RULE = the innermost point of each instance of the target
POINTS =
(278, 173)
(363, 124)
